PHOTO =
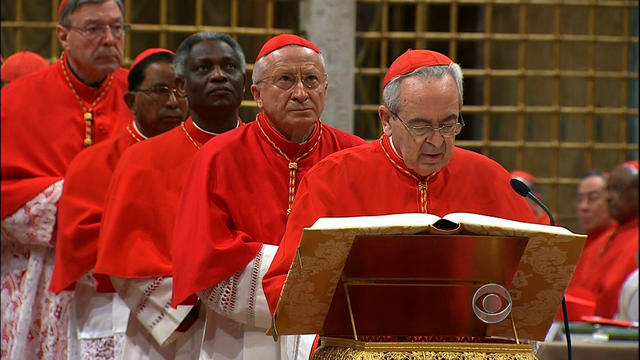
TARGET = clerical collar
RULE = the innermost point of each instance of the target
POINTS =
(394, 147)
(209, 132)
(135, 126)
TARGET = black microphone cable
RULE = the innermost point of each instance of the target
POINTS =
(522, 189)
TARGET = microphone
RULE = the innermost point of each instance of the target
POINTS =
(523, 190)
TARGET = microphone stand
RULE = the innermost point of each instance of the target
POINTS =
(522, 189)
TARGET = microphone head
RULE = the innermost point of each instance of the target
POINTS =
(520, 187)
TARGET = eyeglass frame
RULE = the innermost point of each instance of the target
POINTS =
(412, 130)
(299, 79)
(152, 91)
(84, 31)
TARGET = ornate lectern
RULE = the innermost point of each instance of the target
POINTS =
(415, 286)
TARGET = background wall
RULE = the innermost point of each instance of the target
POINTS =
(551, 86)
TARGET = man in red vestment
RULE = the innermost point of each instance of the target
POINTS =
(413, 167)
(156, 107)
(48, 117)
(532, 183)
(613, 256)
(134, 247)
(238, 194)
(592, 207)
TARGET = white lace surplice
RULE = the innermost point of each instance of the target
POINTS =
(151, 331)
(238, 316)
(34, 320)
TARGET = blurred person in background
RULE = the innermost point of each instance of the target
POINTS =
(609, 260)
(20, 64)
(591, 205)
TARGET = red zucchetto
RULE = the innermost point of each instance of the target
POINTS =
(283, 40)
(412, 60)
(146, 53)
(20, 64)
(62, 4)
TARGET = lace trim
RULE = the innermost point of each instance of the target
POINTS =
(33, 224)
(255, 276)
(34, 321)
(223, 296)
(148, 291)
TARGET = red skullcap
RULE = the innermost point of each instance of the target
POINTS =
(632, 163)
(146, 53)
(20, 64)
(62, 4)
(283, 40)
(524, 175)
(412, 60)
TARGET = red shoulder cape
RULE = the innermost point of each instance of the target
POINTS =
(43, 128)
(80, 208)
(140, 205)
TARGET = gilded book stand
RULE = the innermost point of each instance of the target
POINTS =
(414, 286)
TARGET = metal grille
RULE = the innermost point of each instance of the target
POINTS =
(551, 87)
(30, 25)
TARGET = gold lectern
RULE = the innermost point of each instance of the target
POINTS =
(416, 286)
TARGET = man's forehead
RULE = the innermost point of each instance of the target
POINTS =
(294, 54)
(88, 12)
(212, 49)
(285, 66)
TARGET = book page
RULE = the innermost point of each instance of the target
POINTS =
(484, 220)
(380, 221)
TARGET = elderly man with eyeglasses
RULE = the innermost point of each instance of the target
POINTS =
(237, 197)
(413, 167)
(99, 320)
(48, 117)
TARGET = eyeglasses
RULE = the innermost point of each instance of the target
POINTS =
(428, 130)
(95, 32)
(161, 93)
(288, 81)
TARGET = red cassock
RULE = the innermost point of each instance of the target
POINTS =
(43, 128)
(236, 199)
(140, 206)
(80, 208)
(603, 267)
(373, 180)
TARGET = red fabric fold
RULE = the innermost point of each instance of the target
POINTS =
(80, 208)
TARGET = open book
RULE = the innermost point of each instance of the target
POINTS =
(454, 255)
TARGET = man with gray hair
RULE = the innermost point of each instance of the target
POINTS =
(414, 167)
(237, 197)
(48, 117)
(135, 241)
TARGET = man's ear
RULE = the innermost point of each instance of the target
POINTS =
(130, 100)
(385, 118)
(63, 34)
(255, 91)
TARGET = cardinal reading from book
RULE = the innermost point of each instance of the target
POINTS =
(414, 167)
